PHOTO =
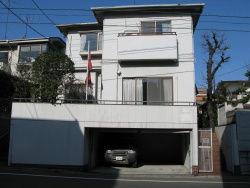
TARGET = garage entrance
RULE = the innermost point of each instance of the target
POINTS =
(155, 147)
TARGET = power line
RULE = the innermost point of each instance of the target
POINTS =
(6, 26)
(43, 12)
(82, 15)
(22, 20)
(68, 9)
(53, 14)
(89, 10)
(232, 71)
(200, 29)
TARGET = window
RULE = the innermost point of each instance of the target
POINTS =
(76, 92)
(152, 91)
(95, 40)
(3, 57)
(155, 27)
(29, 54)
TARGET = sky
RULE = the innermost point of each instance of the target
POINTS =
(230, 17)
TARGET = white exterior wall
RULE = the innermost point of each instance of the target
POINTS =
(12, 57)
(73, 47)
(182, 72)
(64, 125)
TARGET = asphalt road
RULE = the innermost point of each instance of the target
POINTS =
(34, 180)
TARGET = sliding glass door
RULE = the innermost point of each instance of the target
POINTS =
(151, 91)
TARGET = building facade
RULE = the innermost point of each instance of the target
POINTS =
(143, 87)
(25, 51)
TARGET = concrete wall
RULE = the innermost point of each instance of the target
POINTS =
(224, 115)
(46, 142)
(243, 132)
(235, 142)
(229, 145)
(55, 134)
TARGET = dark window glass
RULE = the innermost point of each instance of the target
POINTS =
(29, 54)
(95, 40)
(4, 57)
(75, 91)
(155, 27)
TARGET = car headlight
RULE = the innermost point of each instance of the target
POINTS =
(108, 151)
(131, 151)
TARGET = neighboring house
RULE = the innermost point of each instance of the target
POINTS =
(25, 51)
(13, 53)
(144, 87)
(233, 86)
(226, 111)
(201, 95)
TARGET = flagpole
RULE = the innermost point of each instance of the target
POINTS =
(86, 82)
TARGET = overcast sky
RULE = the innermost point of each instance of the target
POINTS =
(231, 17)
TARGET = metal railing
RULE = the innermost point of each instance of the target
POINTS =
(146, 34)
(106, 102)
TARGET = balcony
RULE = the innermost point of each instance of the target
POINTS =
(182, 116)
(135, 46)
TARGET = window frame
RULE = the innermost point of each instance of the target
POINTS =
(99, 41)
(7, 59)
(49, 48)
(148, 102)
(155, 27)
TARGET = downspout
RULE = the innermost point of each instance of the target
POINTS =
(117, 82)
(101, 81)
(10, 58)
(191, 151)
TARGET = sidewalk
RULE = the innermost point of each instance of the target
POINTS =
(109, 173)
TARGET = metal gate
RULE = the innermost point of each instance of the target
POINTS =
(205, 150)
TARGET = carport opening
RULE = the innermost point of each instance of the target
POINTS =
(155, 147)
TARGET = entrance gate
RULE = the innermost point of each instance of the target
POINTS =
(205, 150)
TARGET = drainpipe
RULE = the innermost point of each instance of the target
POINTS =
(117, 82)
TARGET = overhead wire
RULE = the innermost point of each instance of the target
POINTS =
(89, 10)
(43, 12)
(22, 20)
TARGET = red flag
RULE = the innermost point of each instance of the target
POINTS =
(88, 71)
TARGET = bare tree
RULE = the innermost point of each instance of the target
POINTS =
(215, 46)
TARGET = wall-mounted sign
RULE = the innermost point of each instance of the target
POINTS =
(205, 140)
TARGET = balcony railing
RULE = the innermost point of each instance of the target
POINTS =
(146, 34)
(108, 102)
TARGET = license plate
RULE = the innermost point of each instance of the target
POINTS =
(118, 158)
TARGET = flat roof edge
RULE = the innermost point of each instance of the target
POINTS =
(147, 6)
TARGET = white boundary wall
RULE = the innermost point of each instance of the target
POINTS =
(46, 134)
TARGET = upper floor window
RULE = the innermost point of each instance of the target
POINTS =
(95, 40)
(155, 27)
(29, 54)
